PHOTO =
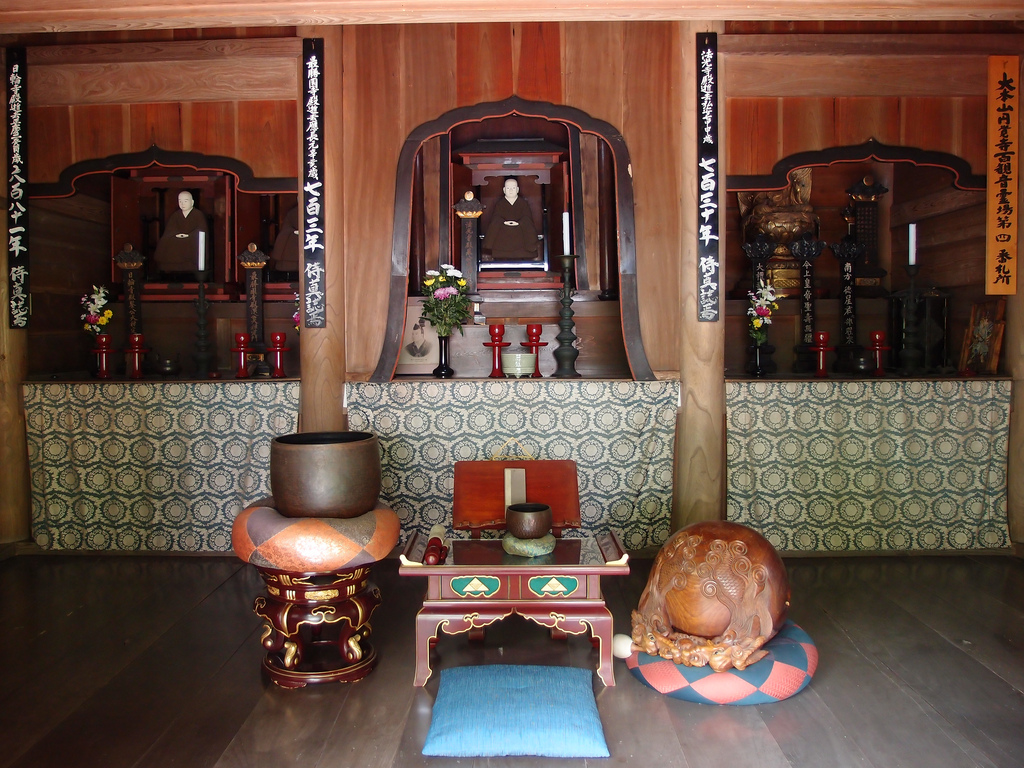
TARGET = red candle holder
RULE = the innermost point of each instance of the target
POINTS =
(136, 351)
(276, 352)
(496, 345)
(242, 351)
(821, 347)
(533, 344)
(103, 351)
(878, 346)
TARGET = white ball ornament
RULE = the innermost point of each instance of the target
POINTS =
(622, 646)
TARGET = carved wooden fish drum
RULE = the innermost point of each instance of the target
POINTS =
(718, 591)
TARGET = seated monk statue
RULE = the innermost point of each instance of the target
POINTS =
(178, 248)
(781, 215)
(285, 256)
(511, 235)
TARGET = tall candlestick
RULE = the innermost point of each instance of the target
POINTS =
(565, 231)
(912, 245)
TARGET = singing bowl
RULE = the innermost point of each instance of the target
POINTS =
(325, 474)
(528, 520)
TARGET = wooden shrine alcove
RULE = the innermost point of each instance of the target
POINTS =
(128, 198)
(937, 190)
(566, 163)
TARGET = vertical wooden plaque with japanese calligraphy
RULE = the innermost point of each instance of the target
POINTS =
(17, 192)
(1002, 176)
(708, 176)
(313, 275)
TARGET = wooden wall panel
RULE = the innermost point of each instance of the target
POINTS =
(930, 122)
(155, 124)
(807, 124)
(973, 128)
(652, 127)
(98, 131)
(49, 148)
(826, 74)
(428, 72)
(753, 135)
(594, 56)
(537, 61)
(210, 128)
(860, 119)
(268, 137)
(484, 70)
(374, 133)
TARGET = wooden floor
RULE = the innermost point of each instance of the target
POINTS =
(155, 661)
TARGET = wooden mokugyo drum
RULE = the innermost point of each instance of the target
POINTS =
(717, 593)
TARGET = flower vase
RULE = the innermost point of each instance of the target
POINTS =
(444, 369)
(103, 352)
(760, 363)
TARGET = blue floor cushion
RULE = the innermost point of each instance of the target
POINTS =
(498, 709)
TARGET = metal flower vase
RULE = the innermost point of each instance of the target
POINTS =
(444, 369)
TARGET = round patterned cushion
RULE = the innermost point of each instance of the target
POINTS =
(786, 670)
(267, 539)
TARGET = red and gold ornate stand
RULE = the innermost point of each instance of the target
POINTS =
(479, 584)
(317, 626)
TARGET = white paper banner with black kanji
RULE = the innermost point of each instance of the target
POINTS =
(708, 177)
(314, 290)
(17, 192)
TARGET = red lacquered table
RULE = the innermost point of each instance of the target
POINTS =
(479, 584)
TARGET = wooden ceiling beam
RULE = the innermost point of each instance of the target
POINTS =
(40, 16)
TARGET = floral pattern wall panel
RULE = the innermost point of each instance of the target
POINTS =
(150, 466)
(869, 465)
(620, 433)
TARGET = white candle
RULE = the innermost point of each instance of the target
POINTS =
(912, 245)
(201, 246)
(565, 232)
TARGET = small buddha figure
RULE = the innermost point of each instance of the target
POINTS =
(178, 248)
(511, 235)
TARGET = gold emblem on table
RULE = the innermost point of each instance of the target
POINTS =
(553, 586)
(475, 586)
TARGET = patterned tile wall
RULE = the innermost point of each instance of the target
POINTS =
(150, 466)
(620, 433)
(870, 465)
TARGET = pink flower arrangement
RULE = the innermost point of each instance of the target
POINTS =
(447, 304)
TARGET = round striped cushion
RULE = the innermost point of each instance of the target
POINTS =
(265, 538)
(787, 669)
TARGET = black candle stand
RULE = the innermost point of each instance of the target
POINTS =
(911, 355)
(566, 353)
(202, 355)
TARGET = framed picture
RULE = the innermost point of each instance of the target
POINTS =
(983, 338)
(419, 343)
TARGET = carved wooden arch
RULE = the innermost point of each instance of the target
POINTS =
(245, 180)
(869, 150)
(400, 240)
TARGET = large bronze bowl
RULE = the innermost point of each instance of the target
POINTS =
(325, 474)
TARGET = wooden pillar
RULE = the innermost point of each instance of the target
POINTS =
(1013, 352)
(322, 350)
(699, 487)
(15, 504)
